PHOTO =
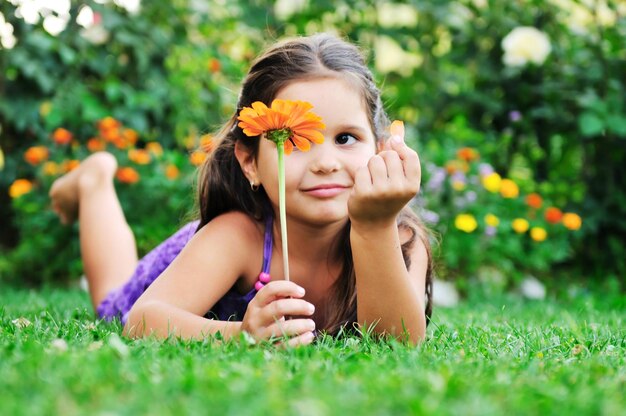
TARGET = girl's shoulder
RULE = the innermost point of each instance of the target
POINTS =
(233, 225)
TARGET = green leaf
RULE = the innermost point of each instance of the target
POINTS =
(590, 124)
(616, 123)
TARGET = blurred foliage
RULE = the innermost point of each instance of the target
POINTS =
(555, 126)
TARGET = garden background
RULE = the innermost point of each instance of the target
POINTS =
(518, 111)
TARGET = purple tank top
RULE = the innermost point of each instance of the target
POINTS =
(232, 306)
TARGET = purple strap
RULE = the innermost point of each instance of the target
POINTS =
(267, 246)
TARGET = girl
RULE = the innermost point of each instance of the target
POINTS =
(358, 255)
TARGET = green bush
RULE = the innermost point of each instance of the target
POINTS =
(551, 117)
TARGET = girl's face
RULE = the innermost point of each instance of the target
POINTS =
(318, 182)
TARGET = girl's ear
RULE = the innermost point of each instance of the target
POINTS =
(246, 160)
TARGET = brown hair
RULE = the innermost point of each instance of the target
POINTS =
(222, 186)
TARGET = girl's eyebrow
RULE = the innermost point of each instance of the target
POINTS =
(350, 127)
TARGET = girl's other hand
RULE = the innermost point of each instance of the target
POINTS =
(383, 187)
(266, 313)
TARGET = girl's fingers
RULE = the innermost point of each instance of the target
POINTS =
(395, 168)
(289, 328)
(377, 169)
(286, 307)
(303, 339)
(410, 159)
(278, 289)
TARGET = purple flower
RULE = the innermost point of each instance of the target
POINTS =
(515, 116)
(490, 231)
(470, 196)
(485, 169)
(436, 179)
(459, 177)
(430, 217)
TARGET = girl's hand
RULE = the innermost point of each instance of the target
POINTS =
(383, 187)
(265, 316)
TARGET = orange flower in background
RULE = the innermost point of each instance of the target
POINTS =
(297, 125)
(139, 156)
(553, 215)
(572, 221)
(509, 189)
(36, 154)
(538, 234)
(95, 145)
(214, 65)
(108, 123)
(155, 148)
(453, 166)
(62, 136)
(69, 165)
(197, 157)
(127, 175)
(534, 200)
(467, 154)
(20, 187)
(51, 168)
(206, 143)
(171, 172)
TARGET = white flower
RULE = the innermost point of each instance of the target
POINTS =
(525, 44)
(532, 288)
(284, 9)
(7, 40)
(391, 57)
(397, 15)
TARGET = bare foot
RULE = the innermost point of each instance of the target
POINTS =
(65, 191)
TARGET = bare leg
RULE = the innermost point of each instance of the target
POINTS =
(107, 244)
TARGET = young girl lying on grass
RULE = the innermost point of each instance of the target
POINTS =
(357, 254)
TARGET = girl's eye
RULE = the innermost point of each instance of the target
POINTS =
(345, 138)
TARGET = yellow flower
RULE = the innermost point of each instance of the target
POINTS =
(492, 220)
(20, 187)
(51, 168)
(492, 182)
(465, 222)
(509, 189)
(538, 234)
(572, 221)
(458, 185)
(293, 118)
(520, 225)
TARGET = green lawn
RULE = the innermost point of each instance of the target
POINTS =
(502, 356)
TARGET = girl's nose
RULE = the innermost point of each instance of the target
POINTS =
(325, 158)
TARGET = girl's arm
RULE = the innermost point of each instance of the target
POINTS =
(201, 274)
(210, 264)
(388, 295)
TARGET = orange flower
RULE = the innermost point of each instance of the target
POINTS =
(397, 128)
(534, 200)
(214, 65)
(171, 172)
(155, 148)
(36, 154)
(467, 154)
(292, 122)
(130, 136)
(20, 187)
(127, 175)
(69, 165)
(108, 123)
(553, 215)
(206, 143)
(453, 166)
(572, 221)
(139, 156)
(95, 145)
(197, 157)
(62, 136)
(508, 189)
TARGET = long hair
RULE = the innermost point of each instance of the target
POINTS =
(223, 187)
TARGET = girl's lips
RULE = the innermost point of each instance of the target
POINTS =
(325, 191)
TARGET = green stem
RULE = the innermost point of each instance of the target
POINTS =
(281, 207)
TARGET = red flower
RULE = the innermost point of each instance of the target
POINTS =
(534, 200)
(553, 215)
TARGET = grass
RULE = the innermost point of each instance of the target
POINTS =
(503, 355)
